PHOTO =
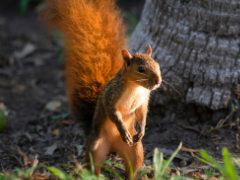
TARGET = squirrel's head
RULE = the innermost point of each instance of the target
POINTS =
(142, 69)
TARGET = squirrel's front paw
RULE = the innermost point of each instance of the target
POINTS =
(127, 138)
(138, 137)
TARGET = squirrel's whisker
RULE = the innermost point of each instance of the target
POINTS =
(139, 80)
(171, 86)
(142, 80)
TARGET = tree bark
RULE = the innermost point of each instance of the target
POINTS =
(197, 44)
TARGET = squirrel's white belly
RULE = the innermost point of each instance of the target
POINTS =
(132, 98)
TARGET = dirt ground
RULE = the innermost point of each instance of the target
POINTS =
(32, 90)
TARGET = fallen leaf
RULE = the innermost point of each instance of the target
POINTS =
(3, 108)
(79, 149)
(53, 105)
(197, 175)
(50, 150)
(56, 132)
(27, 50)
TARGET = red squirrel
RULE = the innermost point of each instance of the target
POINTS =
(107, 86)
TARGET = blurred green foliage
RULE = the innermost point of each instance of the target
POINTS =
(3, 121)
(23, 6)
(227, 169)
(131, 21)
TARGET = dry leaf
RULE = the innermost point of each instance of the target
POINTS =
(79, 149)
(50, 150)
(53, 105)
(27, 50)
(56, 132)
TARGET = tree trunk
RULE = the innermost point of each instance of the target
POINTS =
(197, 44)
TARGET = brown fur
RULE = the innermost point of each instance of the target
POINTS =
(94, 36)
(122, 104)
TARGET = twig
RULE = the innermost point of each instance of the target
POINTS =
(26, 160)
(189, 150)
(191, 129)
(222, 123)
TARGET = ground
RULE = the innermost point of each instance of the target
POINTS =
(39, 125)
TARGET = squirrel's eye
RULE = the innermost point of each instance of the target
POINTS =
(141, 69)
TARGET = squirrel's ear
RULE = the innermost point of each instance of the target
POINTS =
(126, 56)
(149, 50)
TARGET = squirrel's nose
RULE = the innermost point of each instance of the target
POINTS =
(157, 80)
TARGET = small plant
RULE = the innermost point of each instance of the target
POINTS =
(84, 174)
(108, 168)
(88, 175)
(18, 174)
(227, 169)
(59, 173)
(161, 166)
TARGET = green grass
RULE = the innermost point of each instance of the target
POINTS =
(227, 169)
(160, 165)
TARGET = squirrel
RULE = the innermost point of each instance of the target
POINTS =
(107, 86)
(122, 104)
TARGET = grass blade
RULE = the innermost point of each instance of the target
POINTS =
(208, 159)
(168, 162)
(228, 163)
(157, 163)
(59, 174)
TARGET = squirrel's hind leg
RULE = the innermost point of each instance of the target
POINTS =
(99, 151)
(133, 157)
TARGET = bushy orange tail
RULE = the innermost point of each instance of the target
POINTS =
(94, 36)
